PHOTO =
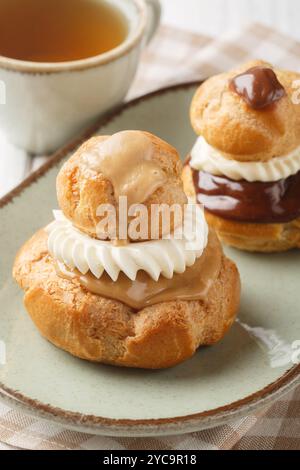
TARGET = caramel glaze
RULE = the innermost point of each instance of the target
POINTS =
(258, 86)
(193, 284)
(276, 202)
(126, 159)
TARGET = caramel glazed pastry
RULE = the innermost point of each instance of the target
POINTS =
(144, 303)
(245, 165)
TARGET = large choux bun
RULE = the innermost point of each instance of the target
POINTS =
(105, 330)
(242, 133)
(80, 190)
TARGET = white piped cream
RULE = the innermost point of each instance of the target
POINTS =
(206, 158)
(156, 257)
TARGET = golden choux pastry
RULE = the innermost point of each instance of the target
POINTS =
(81, 187)
(144, 304)
(245, 165)
(106, 330)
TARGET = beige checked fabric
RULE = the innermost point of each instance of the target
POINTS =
(175, 56)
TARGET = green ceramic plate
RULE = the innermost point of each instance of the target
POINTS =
(252, 366)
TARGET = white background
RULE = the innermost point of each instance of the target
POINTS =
(210, 17)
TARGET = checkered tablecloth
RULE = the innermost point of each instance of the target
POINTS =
(176, 56)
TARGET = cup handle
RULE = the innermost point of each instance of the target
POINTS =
(154, 15)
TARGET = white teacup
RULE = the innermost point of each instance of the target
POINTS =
(45, 104)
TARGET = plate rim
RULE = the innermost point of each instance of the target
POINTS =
(287, 381)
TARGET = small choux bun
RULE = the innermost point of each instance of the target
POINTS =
(81, 189)
(242, 133)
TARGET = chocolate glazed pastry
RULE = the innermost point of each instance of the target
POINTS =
(275, 202)
(245, 164)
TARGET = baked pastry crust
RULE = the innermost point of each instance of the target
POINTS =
(260, 237)
(104, 330)
(81, 191)
(241, 133)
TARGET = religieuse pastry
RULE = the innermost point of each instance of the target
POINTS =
(245, 165)
(139, 301)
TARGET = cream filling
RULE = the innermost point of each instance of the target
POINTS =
(206, 158)
(156, 257)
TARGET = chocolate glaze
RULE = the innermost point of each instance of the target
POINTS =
(258, 86)
(276, 202)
